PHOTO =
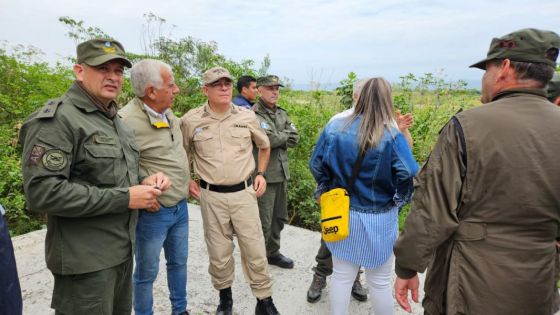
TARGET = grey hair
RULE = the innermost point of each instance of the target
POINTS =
(146, 73)
(357, 89)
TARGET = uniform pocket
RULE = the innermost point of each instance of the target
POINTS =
(241, 137)
(100, 164)
(205, 144)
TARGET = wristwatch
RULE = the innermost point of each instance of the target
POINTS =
(263, 174)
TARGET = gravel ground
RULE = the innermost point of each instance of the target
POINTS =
(289, 288)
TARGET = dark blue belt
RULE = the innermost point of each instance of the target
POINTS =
(226, 188)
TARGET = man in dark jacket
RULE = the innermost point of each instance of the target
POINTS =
(10, 291)
(246, 92)
(486, 201)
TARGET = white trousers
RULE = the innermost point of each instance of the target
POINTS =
(379, 285)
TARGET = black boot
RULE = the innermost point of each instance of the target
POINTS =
(226, 302)
(358, 291)
(280, 261)
(316, 288)
(266, 307)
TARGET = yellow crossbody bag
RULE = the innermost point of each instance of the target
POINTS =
(335, 209)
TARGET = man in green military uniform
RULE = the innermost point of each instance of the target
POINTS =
(80, 167)
(486, 209)
(282, 134)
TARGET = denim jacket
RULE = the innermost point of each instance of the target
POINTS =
(385, 177)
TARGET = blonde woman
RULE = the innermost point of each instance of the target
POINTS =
(383, 185)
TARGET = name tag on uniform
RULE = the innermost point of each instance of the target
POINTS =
(200, 129)
(104, 140)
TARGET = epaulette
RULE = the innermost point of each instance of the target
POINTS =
(49, 108)
(281, 109)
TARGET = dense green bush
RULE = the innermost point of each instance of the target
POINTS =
(25, 85)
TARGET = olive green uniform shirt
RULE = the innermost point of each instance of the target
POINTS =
(220, 144)
(282, 135)
(77, 166)
(161, 148)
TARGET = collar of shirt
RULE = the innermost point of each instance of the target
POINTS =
(505, 93)
(156, 119)
(219, 116)
(82, 99)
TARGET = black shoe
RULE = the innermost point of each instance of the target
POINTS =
(281, 261)
(358, 292)
(266, 307)
(316, 288)
(226, 302)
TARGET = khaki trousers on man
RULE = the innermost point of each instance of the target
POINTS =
(273, 206)
(222, 214)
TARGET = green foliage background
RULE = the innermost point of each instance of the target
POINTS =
(26, 83)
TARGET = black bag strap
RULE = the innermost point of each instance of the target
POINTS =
(356, 170)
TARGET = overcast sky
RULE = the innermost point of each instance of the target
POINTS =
(307, 40)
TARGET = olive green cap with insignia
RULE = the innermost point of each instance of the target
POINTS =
(214, 74)
(269, 80)
(554, 87)
(526, 45)
(95, 52)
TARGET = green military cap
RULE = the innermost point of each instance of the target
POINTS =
(269, 80)
(214, 74)
(98, 51)
(554, 87)
(526, 45)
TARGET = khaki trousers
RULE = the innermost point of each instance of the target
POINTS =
(222, 214)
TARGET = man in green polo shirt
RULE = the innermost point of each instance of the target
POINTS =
(159, 138)
(80, 168)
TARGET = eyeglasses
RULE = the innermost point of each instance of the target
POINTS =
(225, 83)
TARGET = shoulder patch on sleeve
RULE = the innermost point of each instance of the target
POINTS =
(264, 125)
(49, 108)
(54, 160)
(36, 155)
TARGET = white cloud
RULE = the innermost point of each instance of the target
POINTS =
(306, 40)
